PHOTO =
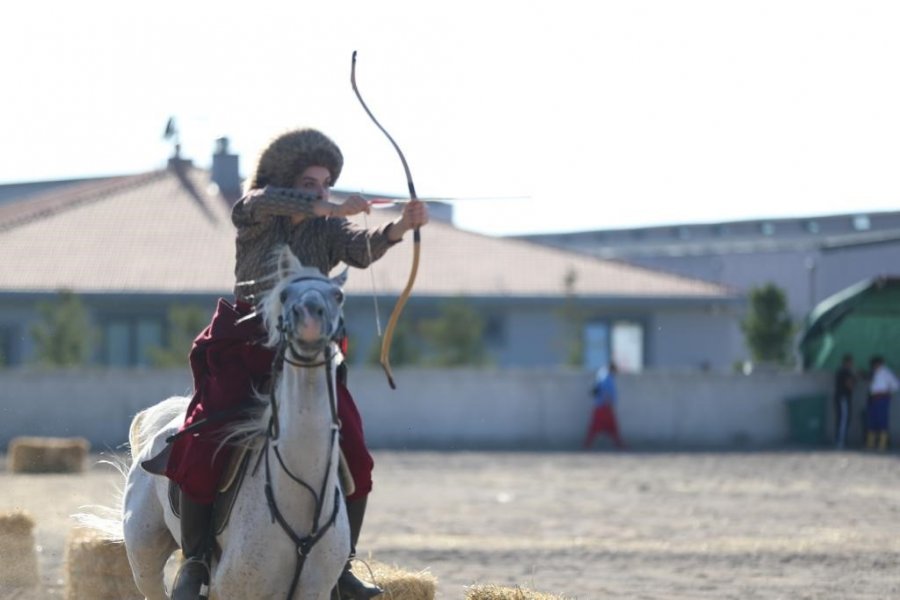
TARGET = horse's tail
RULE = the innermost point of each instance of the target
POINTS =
(106, 521)
(134, 434)
(147, 423)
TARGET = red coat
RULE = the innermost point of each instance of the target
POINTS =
(228, 362)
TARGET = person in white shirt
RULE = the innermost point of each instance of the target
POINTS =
(883, 384)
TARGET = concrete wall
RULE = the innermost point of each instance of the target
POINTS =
(95, 404)
(455, 409)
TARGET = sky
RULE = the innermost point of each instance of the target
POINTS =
(540, 116)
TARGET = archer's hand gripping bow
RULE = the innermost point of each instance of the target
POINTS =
(417, 239)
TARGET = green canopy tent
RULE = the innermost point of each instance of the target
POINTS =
(862, 320)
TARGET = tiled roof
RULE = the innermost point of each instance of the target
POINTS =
(170, 231)
(57, 196)
(158, 232)
(456, 262)
(13, 192)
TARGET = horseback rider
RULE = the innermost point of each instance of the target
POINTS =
(287, 202)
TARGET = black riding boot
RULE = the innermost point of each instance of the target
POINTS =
(349, 587)
(192, 580)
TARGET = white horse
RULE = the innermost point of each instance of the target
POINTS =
(295, 545)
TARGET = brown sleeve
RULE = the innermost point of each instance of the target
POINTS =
(261, 204)
(353, 248)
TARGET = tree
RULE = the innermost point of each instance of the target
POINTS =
(403, 349)
(184, 323)
(64, 336)
(455, 337)
(573, 320)
(768, 327)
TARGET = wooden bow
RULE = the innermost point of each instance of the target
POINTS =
(417, 239)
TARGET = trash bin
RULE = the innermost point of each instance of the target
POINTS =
(806, 417)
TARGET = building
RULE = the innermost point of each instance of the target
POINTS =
(810, 258)
(133, 247)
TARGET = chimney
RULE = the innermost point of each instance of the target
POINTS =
(225, 173)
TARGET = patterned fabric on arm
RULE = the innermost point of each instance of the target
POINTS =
(320, 242)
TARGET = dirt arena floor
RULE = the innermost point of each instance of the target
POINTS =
(766, 525)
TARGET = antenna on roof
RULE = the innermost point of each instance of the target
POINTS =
(170, 133)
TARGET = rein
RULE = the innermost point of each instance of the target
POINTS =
(302, 545)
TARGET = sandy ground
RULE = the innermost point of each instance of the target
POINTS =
(597, 525)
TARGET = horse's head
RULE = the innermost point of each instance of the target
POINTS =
(304, 308)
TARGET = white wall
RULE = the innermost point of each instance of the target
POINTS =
(95, 404)
(455, 409)
(550, 408)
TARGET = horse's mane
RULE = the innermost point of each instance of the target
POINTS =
(248, 430)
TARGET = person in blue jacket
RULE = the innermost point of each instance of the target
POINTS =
(603, 420)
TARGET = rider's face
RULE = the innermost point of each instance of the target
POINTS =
(316, 180)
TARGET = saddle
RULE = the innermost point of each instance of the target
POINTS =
(230, 483)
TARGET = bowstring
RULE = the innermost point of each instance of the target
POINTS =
(372, 276)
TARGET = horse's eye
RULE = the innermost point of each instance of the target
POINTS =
(283, 295)
(339, 296)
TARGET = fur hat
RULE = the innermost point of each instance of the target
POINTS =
(289, 154)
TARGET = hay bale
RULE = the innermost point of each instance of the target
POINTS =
(97, 568)
(495, 592)
(18, 568)
(47, 454)
(397, 583)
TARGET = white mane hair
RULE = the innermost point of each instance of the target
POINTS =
(287, 270)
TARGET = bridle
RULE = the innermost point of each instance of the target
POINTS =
(286, 353)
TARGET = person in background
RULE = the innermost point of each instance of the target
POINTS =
(844, 382)
(603, 420)
(883, 384)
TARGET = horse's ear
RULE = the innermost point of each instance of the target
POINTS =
(288, 264)
(341, 278)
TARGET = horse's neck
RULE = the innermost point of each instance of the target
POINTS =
(307, 440)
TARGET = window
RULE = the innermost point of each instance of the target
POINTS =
(812, 227)
(721, 229)
(767, 228)
(118, 344)
(861, 223)
(596, 345)
(621, 341)
(8, 355)
(628, 346)
(494, 330)
(149, 335)
(127, 341)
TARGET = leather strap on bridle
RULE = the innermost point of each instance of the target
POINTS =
(302, 545)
